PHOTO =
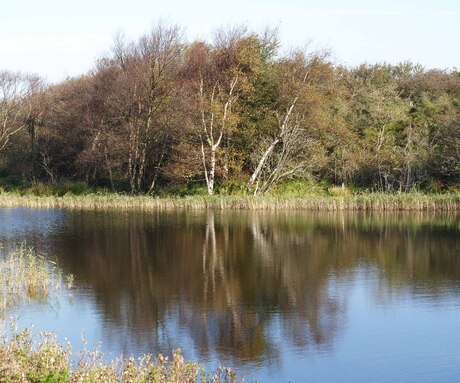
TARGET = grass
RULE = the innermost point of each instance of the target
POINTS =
(305, 194)
(25, 276)
(414, 201)
(23, 360)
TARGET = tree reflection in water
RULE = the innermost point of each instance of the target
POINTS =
(238, 284)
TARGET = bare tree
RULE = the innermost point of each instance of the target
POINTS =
(15, 103)
(146, 93)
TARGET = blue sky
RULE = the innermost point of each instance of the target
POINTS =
(59, 38)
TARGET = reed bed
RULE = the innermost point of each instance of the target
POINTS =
(23, 360)
(25, 276)
(357, 202)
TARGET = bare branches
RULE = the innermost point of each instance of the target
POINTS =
(16, 90)
(146, 89)
(286, 153)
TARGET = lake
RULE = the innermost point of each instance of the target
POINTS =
(278, 296)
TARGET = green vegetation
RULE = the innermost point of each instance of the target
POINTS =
(234, 114)
(26, 275)
(47, 361)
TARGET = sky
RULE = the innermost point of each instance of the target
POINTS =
(61, 38)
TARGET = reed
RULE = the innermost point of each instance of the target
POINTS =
(25, 276)
(366, 201)
(23, 360)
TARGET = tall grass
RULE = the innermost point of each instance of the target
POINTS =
(366, 201)
(26, 275)
(23, 360)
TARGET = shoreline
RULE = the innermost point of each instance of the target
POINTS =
(358, 202)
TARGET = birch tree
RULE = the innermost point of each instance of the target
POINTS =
(216, 112)
(293, 146)
(218, 76)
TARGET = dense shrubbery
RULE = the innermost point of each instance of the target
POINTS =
(231, 116)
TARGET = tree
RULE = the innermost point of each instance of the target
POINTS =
(220, 77)
(431, 136)
(146, 91)
(293, 146)
(16, 108)
(379, 116)
(217, 94)
(63, 130)
(101, 156)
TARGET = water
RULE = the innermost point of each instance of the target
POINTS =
(279, 296)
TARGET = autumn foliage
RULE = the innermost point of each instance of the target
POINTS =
(161, 112)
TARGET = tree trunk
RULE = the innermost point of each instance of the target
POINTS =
(109, 169)
(262, 162)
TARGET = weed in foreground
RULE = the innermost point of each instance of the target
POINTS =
(26, 275)
(47, 361)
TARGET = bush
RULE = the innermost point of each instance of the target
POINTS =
(339, 191)
(41, 189)
(64, 188)
(190, 189)
(73, 188)
(10, 183)
(299, 188)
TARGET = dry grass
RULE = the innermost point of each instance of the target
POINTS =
(47, 361)
(369, 201)
(26, 275)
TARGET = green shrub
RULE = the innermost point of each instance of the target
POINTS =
(73, 188)
(299, 188)
(41, 189)
(339, 191)
(191, 189)
(10, 183)
(49, 363)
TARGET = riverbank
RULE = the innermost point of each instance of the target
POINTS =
(356, 202)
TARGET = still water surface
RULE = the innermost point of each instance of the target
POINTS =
(279, 296)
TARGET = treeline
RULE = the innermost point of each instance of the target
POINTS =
(231, 113)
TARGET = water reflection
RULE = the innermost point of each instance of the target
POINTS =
(228, 275)
(31, 225)
(244, 286)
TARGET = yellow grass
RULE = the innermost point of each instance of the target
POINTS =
(26, 275)
(370, 201)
